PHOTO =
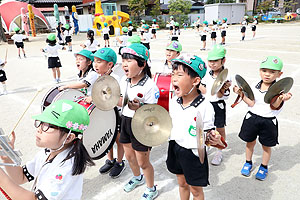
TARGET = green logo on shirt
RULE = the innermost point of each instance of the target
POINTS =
(192, 130)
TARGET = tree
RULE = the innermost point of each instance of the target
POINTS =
(179, 7)
(156, 8)
(219, 1)
(137, 7)
(265, 6)
(288, 5)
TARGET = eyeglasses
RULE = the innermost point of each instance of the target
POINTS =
(44, 126)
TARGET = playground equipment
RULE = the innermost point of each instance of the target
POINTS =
(31, 19)
(75, 19)
(24, 21)
(56, 14)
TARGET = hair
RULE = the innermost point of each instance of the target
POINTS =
(90, 34)
(89, 67)
(17, 32)
(51, 43)
(82, 158)
(214, 22)
(140, 61)
(154, 22)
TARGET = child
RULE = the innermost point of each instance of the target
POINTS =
(142, 27)
(87, 75)
(261, 119)
(171, 25)
(56, 171)
(198, 23)
(216, 60)
(146, 37)
(68, 36)
(59, 33)
(3, 77)
(105, 32)
(204, 32)
(223, 28)
(213, 36)
(53, 59)
(137, 80)
(154, 28)
(18, 40)
(91, 44)
(183, 159)
(176, 32)
(130, 28)
(244, 24)
(123, 39)
(173, 50)
(253, 26)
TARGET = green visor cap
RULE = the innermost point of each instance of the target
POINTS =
(130, 22)
(51, 37)
(138, 50)
(205, 22)
(65, 114)
(174, 46)
(145, 26)
(67, 26)
(193, 62)
(85, 53)
(134, 39)
(106, 54)
(125, 29)
(16, 29)
(218, 52)
(272, 62)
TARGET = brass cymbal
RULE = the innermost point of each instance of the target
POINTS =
(106, 92)
(125, 98)
(245, 86)
(219, 82)
(151, 125)
(200, 137)
(282, 86)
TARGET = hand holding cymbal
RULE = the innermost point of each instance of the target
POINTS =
(219, 82)
(282, 86)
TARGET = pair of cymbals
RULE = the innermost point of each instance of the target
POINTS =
(219, 82)
(151, 125)
(282, 86)
(244, 86)
(201, 138)
(106, 92)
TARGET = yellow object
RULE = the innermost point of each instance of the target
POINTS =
(288, 17)
(31, 19)
(114, 20)
(73, 8)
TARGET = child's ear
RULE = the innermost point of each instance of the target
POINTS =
(223, 61)
(70, 138)
(196, 81)
(279, 74)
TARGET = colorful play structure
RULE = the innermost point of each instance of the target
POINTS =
(287, 17)
(114, 21)
(75, 20)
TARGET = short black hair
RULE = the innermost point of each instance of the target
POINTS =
(140, 61)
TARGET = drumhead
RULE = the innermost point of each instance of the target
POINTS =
(101, 133)
(70, 94)
(48, 98)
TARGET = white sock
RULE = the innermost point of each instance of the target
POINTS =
(4, 87)
(138, 177)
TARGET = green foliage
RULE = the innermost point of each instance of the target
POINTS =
(288, 5)
(155, 11)
(220, 1)
(137, 7)
(265, 6)
(178, 7)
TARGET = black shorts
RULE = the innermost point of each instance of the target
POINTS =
(153, 31)
(142, 32)
(253, 28)
(19, 45)
(128, 137)
(106, 36)
(129, 33)
(94, 51)
(223, 33)
(68, 39)
(2, 76)
(147, 45)
(243, 29)
(183, 161)
(213, 35)
(198, 25)
(220, 113)
(266, 128)
(171, 28)
(203, 38)
(119, 121)
(53, 62)
(174, 38)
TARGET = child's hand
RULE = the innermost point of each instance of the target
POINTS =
(134, 105)
(285, 96)
(42, 50)
(226, 85)
(62, 88)
(88, 99)
(12, 145)
(237, 90)
(214, 138)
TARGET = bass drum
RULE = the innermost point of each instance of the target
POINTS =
(164, 84)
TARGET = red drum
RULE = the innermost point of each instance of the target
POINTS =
(164, 84)
(101, 133)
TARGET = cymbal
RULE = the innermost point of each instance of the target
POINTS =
(282, 86)
(125, 98)
(106, 92)
(200, 137)
(245, 86)
(151, 125)
(219, 82)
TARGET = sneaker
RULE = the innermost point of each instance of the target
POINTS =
(133, 183)
(202, 49)
(107, 166)
(25, 56)
(217, 158)
(261, 173)
(246, 170)
(149, 195)
(117, 169)
(19, 56)
(58, 80)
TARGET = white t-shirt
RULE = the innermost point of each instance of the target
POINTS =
(260, 107)
(147, 37)
(105, 30)
(118, 78)
(130, 28)
(205, 30)
(124, 39)
(54, 178)
(68, 32)
(254, 23)
(145, 86)
(18, 37)
(154, 26)
(184, 120)
(244, 23)
(224, 27)
(89, 79)
(93, 46)
(214, 28)
(53, 50)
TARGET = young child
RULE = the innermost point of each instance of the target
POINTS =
(183, 159)
(213, 36)
(198, 23)
(130, 28)
(175, 32)
(68, 36)
(261, 121)
(59, 31)
(216, 60)
(223, 28)
(171, 25)
(18, 40)
(137, 82)
(253, 26)
(3, 77)
(146, 37)
(244, 24)
(53, 59)
(56, 171)
(204, 32)
(91, 44)
(154, 28)
(173, 50)
(123, 39)
(87, 75)
(105, 32)
(142, 27)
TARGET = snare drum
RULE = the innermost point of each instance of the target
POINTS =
(101, 133)
(164, 84)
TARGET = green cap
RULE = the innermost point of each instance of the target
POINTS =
(134, 39)
(51, 37)
(143, 21)
(125, 29)
(174, 46)
(272, 62)
(193, 62)
(16, 29)
(218, 52)
(86, 53)
(66, 114)
(225, 19)
(130, 22)
(106, 54)
(154, 20)
(171, 17)
(137, 50)
(145, 26)
(176, 24)
(255, 16)
(205, 22)
(105, 24)
(67, 26)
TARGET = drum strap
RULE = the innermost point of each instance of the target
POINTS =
(237, 100)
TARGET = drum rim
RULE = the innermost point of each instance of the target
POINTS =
(46, 95)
